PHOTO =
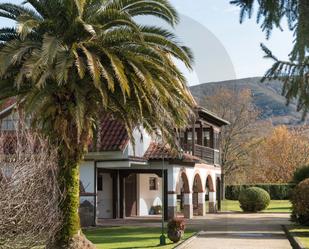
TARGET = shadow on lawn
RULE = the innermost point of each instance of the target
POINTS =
(136, 247)
(301, 234)
(114, 239)
(278, 208)
(125, 235)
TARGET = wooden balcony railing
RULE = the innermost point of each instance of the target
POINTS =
(207, 154)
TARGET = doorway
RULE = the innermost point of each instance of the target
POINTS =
(131, 195)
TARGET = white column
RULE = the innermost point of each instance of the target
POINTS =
(201, 204)
(188, 206)
(212, 202)
(172, 204)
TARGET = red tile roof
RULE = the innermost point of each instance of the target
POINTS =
(7, 103)
(157, 151)
(113, 135)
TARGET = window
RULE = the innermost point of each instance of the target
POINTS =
(206, 138)
(8, 123)
(182, 137)
(190, 137)
(153, 183)
(100, 183)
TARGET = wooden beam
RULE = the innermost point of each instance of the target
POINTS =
(211, 145)
(193, 137)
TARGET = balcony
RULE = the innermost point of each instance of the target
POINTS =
(209, 155)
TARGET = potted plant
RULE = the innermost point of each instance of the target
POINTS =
(175, 229)
(158, 209)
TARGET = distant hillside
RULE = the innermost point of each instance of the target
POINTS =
(267, 97)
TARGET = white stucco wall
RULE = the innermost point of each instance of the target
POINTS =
(148, 198)
(105, 198)
(142, 142)
(87, 176)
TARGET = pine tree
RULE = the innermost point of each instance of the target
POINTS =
(294, 73)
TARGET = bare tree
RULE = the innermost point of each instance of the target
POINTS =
(237, 107)
(29, 196)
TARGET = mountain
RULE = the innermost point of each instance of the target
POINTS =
(266, 96)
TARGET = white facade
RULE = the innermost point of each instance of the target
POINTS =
(117, 184)
(105, 197)
(148, 198)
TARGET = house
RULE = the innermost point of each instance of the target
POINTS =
(120, 180)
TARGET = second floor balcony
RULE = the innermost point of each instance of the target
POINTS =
(202, 140)
(209, 155)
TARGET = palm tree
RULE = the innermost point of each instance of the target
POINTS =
(70, 61)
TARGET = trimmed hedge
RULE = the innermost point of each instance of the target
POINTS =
(253, 199)
(276, 191)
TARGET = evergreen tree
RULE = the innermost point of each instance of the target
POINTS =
(294, 73)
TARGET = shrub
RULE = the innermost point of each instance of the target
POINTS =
(301, 174)
(276, 191)
(176, 224)
(156, 209)
(175, 229)
(254, 199)
(300, 203)
(232, 191)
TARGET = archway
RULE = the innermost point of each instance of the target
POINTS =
(182, 189)
(209, 185)
(197, 190)
(210, 194)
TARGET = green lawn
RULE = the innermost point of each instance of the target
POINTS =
(129, 237)
(301, 233)
(275, 206)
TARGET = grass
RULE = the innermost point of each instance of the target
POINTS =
(275, 206)
(302, 234)
(129, 237)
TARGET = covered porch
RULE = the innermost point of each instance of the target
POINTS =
(125, 189)
(127, 193)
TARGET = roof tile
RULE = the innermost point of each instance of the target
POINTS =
(157, 151)
(113, 135)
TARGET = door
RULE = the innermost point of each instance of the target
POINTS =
(131, 195)
(105, 196)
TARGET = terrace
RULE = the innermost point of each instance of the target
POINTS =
(202, 141)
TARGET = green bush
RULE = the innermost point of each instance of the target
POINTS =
(232, 191)
(276, 191)
(300, 203)
(254, 199)
(301, 174)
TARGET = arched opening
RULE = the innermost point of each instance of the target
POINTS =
(209, 184)
(209, 194)
(197, 188)
(182, 188)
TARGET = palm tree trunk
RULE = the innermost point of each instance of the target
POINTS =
(69, 179)
(70, 235)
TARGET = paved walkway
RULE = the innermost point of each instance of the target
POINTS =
(240, 231)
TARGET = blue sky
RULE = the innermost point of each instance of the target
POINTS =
(241, 41)
(223, 48)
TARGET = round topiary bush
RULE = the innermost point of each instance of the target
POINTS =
(301, 174)
(300, 203)
(253, 199)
